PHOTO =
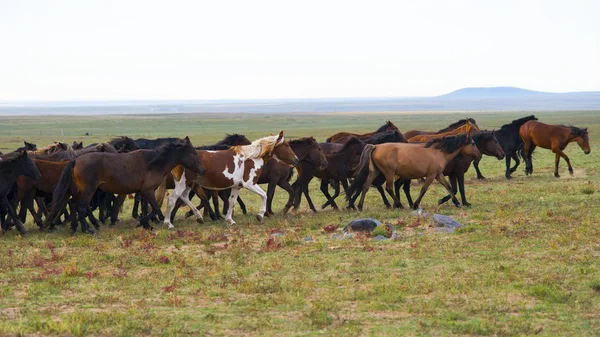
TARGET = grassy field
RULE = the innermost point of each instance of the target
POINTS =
(526, 263)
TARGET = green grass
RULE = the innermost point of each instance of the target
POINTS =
(526, 263)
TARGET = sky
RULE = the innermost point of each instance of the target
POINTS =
(218, 49)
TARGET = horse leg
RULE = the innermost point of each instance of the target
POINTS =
(242, 205)
(406, 189)
(556, 161)
(116, 206)
(27, 203)
(515, 157)
(508, 169)
(308, 199)
(476, 165)
(136, 204)
(263, 206)
(180, 189)
(297, 193)
(186, 200)
(461, 188)
(270, 194)
(442, 180)
(562, 154)
(428, 181)
(325, 191)
(389, 187)
(11, 212)
(453, 183)
(373, 173)
(288, 188)
(92, 218)
(383, 197)
(232, 199)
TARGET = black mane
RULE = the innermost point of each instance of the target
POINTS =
(517, 123)
(449, 144)
(144, 143)
(350, 142)
(394, 136)
(457, 124)
(161, 153)
(483, 135)
(231, 139)
(575, 131)
(303, 140)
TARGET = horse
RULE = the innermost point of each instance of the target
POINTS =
(553, 137)
(224, 144)
(488, 145)
(237, 167)
(77, 145)
(342, 137)
(72, 154)
(409, 161)
(509, 139)
(51, 149)
(339, 168)
(121, 173)
(276, 173)
(12, 166)
(466, 128)
(411, 133)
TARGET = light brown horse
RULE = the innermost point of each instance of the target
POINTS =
(121, 173)
(51, 149)
(237, 167)
(468, 127)
(409, 161)
(553, 137)
(411, 133)
(342, 137)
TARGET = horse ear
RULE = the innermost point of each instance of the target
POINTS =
(187, 140)
(280, 135)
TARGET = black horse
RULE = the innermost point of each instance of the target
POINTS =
(511, 142)
(12, 166)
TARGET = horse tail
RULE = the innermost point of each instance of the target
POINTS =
(291, 175)
(160, 192)
(362, 172)
(61, 192)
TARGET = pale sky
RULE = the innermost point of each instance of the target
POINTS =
(217, 49)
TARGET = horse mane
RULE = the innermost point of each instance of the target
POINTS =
(230, 139)
(448, 144)
(575, 131)
(483, 135)
(304, 140)
(456, 124)
(160, 154)
(260, 147)
(388, 134)
(53, 148)
(518, 122)
(350, 142)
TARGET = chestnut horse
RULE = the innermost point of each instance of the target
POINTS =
(455, 170)
(237, 167)
(121, 173)
(409, 161)
(468, 127)
(411, 133)
(342, 137)
(553, 137)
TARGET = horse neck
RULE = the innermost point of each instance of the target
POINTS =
(86, 150)
(164, 165)
(301, 150)
(449, 156)
(8, 173)
(346, 154)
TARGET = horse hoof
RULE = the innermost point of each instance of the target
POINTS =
(466, 204)
(556, 175)
(200, 221)
(23, 232)
(230, 222)
(314, 210)
(481, 178)
(324, 205)
(508, 177)
(259, 218)
(571, 172)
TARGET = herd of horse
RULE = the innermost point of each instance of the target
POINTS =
(69, 182)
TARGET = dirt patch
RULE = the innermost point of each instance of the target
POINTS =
(10, 314)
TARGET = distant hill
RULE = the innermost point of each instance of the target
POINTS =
(466, 99)
(493, 92)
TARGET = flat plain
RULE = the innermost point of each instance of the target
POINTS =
(526, 262)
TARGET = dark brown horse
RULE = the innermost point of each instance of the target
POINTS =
(553, 137)
(509, 139)
(410, 134)
(121, 173)
(235, 168)
(488, 145)
(12, 166)
(342, 137)
(409, 161)
(339, 168)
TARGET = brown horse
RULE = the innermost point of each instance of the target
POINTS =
(51, 149)
(409, 161)
(237, 167)
(468, 127)
(411, 133)
(553, 137)
(342, 137)
(121, 173)
(488, 145)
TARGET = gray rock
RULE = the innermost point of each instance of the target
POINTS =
(276, 235)
(395, 236)
(445, 223)
(421, 213)
(308, 239)
(380, 238)
(362, 225)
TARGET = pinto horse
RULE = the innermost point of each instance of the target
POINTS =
(342, 137)
(468, 127)
(511, 142)
(488, 145)
(411, 133)
(409, 161)
(121, 173)
(237, 167)
(12, 166)
(553, 137)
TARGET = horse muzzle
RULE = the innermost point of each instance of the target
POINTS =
(500, 156)
(587, 152)
(295, 162)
